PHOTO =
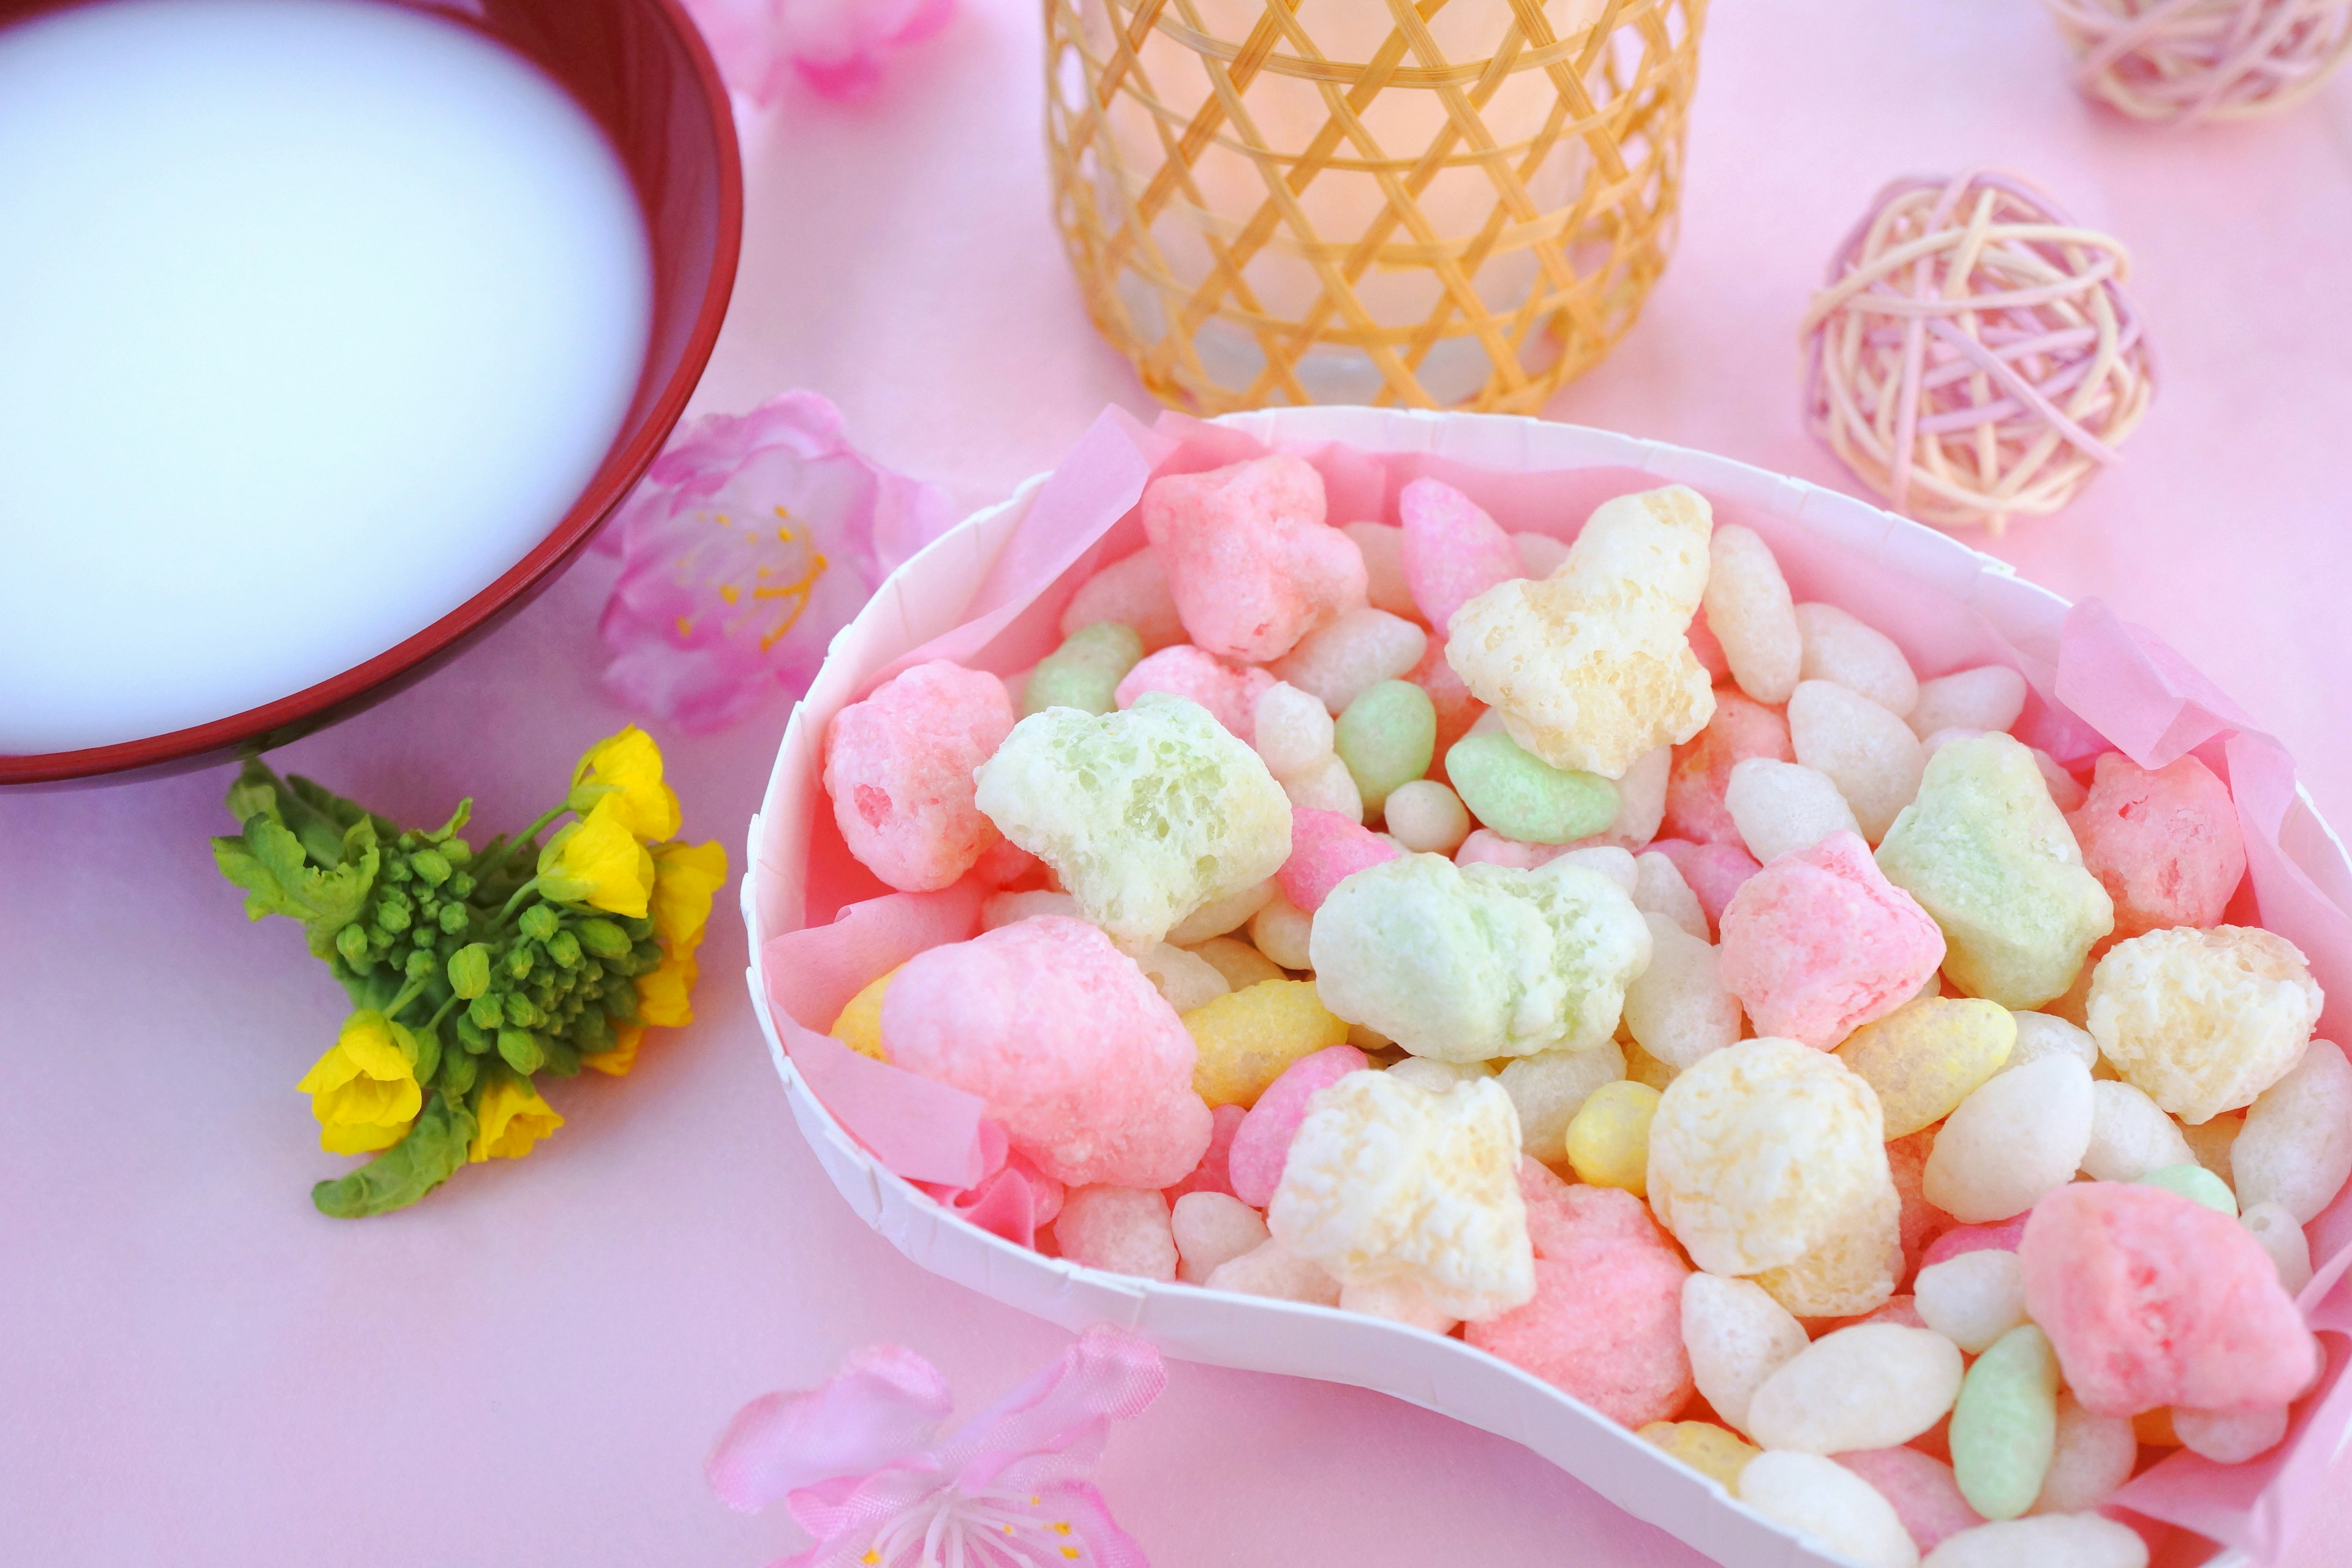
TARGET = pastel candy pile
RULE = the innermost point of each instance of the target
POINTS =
(2005, 1425)
(1819, 943)
(1470, 963)
(1086, 672)
(1696, 788)
(1780, 807)
(1123, 1230)
(1455, 708)
(1383, 544)
(1132, 592)
(1590, 668)
(1839, 649)
(1869, 1386)
(1914, 1198)
(2295, 1151)
(1971, 1299)
(1145, 815)
(1988, 697)
(2151, 1299)
(1713, 1451)
(1245, 1039)
(2016, 1137)
(1427, 817)
(1356, 652)
(1822, 1498)
(1261, 1144)
(1927, 1056)
(1452, 551)
(1605, 1323)
(2165, 844)
(1677, 1009)
(1325, 850)
(2203, 1020)
(1748, 609)
(1387, 735)
(899, 766)
(1762, 1152)
(1250, 564)
(1713, 872)
(1210, 1230)
(1297, 742)
(1230, 692)
(1986, 852)
(1609, 1137)
(1919, 1488)
(1385, 1181)
(1520, 797)
(1086, 1064)
(1864, 749)
(1548, 1089)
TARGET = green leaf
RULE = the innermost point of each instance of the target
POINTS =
(434, 1149)
(448, 830)
(255, 793)
(275, 869)
(336, 808)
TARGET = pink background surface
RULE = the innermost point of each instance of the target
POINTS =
(529, 1367)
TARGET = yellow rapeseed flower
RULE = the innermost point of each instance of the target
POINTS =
(598, 862)
(627, 768)
(511, 1118)
(621, 1054)
(666, 993)
(364, 1090)
(687, 877)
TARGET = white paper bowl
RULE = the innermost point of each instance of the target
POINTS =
(925, 597)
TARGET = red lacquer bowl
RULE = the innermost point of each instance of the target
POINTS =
(641, 71)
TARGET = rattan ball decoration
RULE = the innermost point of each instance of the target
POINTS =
(2183, 61)
(1973, 357)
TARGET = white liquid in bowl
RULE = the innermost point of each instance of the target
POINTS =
(315, 316)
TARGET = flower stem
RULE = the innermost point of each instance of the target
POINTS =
(402, 997)
(442, 1012)
(520, 895)
(491, 866)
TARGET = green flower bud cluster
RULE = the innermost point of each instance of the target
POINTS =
(416, 916)
(554, 992)
(470, 968)
(460, 945)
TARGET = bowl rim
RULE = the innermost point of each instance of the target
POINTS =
(617, 474)
(1495, 1397)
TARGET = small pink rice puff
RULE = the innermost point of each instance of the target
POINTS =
(1606, 1323)
(1068, 1043)
(898, 765)
(1819, 943)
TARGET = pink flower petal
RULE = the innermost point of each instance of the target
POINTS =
(884, 1404)
(753, 540)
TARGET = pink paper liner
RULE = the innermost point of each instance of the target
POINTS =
(2096, 684)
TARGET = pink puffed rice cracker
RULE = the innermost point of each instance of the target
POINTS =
(1250, 560)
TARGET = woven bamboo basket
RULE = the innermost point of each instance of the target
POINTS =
(1450, 204)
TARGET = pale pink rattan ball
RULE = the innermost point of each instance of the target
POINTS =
(2187, 61)
(1973, 357)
